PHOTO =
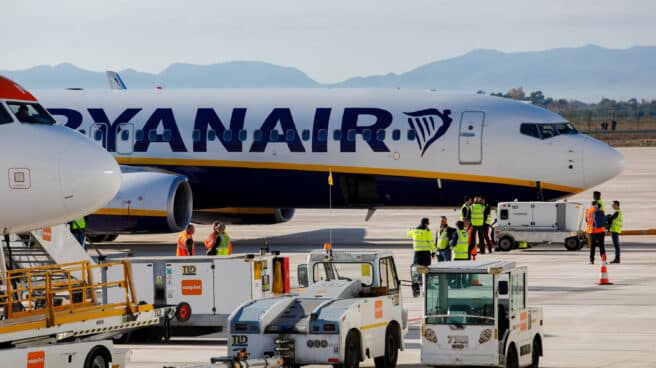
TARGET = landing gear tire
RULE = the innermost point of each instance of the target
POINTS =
(506, 243)
(391, 348)
(572, 243)
(98, 357)
(512, 361)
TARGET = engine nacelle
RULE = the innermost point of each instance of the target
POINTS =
(244, 216)
(147, 202)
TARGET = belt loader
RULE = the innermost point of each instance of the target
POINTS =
(475, 314)
(351, 310)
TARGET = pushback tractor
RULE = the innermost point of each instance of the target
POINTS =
(475, 314)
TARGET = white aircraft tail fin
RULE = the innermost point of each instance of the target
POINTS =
(115, 81)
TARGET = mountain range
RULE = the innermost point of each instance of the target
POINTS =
(586, 73)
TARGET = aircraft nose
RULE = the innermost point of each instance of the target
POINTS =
(89, 176)
(600, 162)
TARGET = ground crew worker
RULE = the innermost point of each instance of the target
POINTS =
(422, 243)
(615, 222)
(477, 219)
(589, 222)
(186, 242)
(598, 231)
(597, 197)
(218, 242)
(487, 224)
(78, 228)
(460, 243)
(465, 208)
(444, 235)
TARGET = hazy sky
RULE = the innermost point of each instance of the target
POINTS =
(330, 40)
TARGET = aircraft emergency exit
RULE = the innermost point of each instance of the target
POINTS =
(51, 174)
(256, 154)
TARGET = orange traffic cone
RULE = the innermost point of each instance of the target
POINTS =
(474, 252)
(603, 280)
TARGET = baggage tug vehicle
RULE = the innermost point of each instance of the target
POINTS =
(350, 310)
(475, 314)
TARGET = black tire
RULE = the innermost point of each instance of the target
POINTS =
(98, 357)
(352, 351)
(572, 243)
(391, 348)
(512, 361)
(506, 243)
(535, 353)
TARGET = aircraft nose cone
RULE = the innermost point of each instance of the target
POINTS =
(89, 176)
(600, 162)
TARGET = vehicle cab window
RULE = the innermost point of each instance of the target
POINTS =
(387, 275)
(4, 116)
(30, 113)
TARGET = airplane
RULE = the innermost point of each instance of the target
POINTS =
(254, 155)
(51, 174)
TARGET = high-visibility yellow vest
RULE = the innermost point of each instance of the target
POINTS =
(601, 202)
(468, 207)
(79, 224)
(224, 247)
(477, 217)
(422, 240)
(488, 220)
(461, 250)
(443, 239)
(616, 226)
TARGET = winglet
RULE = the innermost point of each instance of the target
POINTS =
(115, 81)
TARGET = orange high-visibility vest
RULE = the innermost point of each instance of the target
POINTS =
(589, 219)
(597, 230)
(182, 244)
(210, 241)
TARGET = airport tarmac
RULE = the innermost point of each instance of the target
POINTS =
(586, 325)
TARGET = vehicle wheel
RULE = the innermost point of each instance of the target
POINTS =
(183, 312)
(572, 243)
(391, 348)
(535, 353)
(512, 360)
(506, 243)
(98, 357)
(352, 351)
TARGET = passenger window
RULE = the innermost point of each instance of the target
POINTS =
(257, 135)
(195, 135)
(322, 135)
(274, 135)
(167, 135)
(227, 135)
(243, 135)
(366, 134)
(396, 134)
(380, 135)
(290, 136)
(152, 135)
(139, 135)
(387, 275)
(411, 135)
(306, 134)
(530, 130)
(337, 135)
(125, 135)
(98, 135)
(4, 116)
(350, 136)
(503, 214)
(211, 135)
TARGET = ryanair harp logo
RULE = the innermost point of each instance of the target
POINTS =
(429, 125)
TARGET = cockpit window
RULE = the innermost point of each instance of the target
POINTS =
(530, 130)
(546, 131)
(4, 116)
(30, 113)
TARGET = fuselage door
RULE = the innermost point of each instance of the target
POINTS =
(98, 134)
(471, 137)
(124, 139)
